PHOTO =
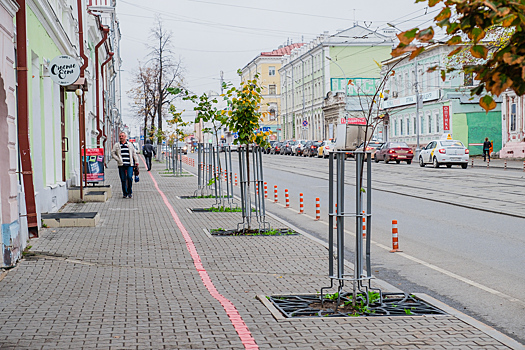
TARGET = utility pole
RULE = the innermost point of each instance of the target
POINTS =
(222, 82)
(418, 101)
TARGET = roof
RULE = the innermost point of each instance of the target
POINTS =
(281, 51)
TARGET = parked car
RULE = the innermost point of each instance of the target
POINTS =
(268, 148)
(311, 147)
(327, 148)
(447, 152)
(297, 148)
(276, 148)
(371, 148)
(320, 150)
(396, 151)
(287, 147)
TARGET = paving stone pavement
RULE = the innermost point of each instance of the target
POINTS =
(130, 283)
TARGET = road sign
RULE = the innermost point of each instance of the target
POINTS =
(142, 137)
(305, 123)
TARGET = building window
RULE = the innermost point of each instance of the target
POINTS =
(408, 126)
(513, 117)
(468, 79)
(272, 90)
(401, 127)
(271, 70)
(272, 114)
(430, 124)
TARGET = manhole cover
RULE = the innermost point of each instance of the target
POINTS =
(393, 304)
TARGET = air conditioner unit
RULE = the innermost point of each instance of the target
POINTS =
(394, 94)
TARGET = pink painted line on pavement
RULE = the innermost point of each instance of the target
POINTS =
(235, 318)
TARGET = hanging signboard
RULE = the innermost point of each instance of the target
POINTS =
(355, 121)
(94, 160)
(64, 70)
(446, 118)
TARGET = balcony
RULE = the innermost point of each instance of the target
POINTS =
(102, 5)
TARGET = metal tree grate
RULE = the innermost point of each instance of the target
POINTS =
(393, 304)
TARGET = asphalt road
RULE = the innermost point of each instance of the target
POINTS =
(462, 232)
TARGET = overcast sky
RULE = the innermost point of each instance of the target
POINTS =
(224, 35)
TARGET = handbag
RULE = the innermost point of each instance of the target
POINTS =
(137, 178)
(136, 170)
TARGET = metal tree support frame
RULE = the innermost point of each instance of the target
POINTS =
(223, 197)
(256, 171)
(176, 159)
(360, 280)
(204, 172)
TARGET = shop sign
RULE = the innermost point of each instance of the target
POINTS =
(64, 70)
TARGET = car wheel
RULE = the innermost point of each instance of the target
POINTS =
(409, 162)
(421, 162)
(398, 161)
(386, 160)
(435, 163)
(376, 159)
(449, 165)
(464, 166)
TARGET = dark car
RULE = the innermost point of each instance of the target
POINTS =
(396, 151)
(287, 147)
(311, 148)
(268, 148)
(276, 148)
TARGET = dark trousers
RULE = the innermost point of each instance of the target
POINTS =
(486, 152)
(126, 178)
(148, 162)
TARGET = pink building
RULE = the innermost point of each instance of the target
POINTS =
(13, 241)
(513, 131)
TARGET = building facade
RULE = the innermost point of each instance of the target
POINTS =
(12, 236)
(87, 31)
(267, 65)
(446, 106)
(326, 64)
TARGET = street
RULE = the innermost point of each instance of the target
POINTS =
(460, 230)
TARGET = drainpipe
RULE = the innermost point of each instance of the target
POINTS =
(104, 99)
(23, 120)
(80, 94)
(105, 30)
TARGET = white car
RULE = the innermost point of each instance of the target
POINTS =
(448, 152)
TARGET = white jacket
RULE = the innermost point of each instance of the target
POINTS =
(115, 153)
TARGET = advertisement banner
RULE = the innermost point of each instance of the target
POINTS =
(446, 118)
(94, 161)
(354, 121)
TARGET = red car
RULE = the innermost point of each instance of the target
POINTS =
(396, 151)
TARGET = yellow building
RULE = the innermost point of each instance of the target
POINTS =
(267, 64)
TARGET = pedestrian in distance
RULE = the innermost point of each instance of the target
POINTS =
(148, 151)
(486, 149)
(124, 153)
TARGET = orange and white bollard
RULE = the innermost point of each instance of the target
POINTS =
(257, 188)
(488, 162)
(472, 163)
(236, 184)
(286, 198)
(317, 209)
(364, 224)
(265, 190)
(275, 194)
(301, 206)
(524, 165)
(335, 226)
(395, 242)
(505, 166)
(226, 177)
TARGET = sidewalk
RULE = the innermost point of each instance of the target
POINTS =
(148, 277)
(511, 164)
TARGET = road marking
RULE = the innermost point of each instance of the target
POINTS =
(235, 318)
